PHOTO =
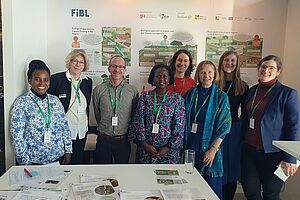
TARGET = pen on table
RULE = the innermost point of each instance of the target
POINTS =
(27, 172)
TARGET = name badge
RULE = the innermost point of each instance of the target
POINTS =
(80, 109)
(155, 128)
(114, 121)
(194, 128)
(62, 96)
(47, 136)
(251, 124)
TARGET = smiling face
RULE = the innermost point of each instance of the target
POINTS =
(268, 71)
(161, 78)
(117, 69)
(182, 63)
(206, 75)
(40, 82)
(229, 63)
(77, 65)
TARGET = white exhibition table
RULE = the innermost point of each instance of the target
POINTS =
(130, 176)
(291, 147)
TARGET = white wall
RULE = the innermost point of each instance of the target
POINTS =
(24, 39)
(292, 46)
(290, 77)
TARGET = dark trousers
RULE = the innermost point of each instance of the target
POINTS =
(215, 184)
(112, 151)
(228, 190)
(78, 151)
(258, 174)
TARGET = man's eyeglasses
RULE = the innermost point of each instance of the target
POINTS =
(117, 66)
(76, 62)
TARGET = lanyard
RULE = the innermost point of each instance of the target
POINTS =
(195, 108)
(46, 119)
(230, 86)
(254, 107)
(115, 104)
(76, 88)
(183, 83)
(157, 111)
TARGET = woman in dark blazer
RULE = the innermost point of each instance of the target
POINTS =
(74, 91)
(272, 112)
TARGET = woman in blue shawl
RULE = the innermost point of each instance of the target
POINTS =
(208, 121)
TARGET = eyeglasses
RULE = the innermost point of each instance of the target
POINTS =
(117, 66)
(76, 62)
(270, 68)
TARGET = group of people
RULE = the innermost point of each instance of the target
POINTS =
(230, 126)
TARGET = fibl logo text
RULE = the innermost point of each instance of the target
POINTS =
(76, 12)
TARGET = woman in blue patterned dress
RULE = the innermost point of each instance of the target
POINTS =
(158, 124)
(208, 122)
(39, 128)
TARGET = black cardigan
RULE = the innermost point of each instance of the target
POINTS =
(60, 86)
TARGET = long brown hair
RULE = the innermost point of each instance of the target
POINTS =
(240, 86)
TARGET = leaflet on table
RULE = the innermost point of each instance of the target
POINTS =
(40, 194)
(170, 194)
(180, 193)
(95, 190)
(93, 178)
(141, 195)
(280, 172)
(168, 177)
(49, 177)
(8, 194)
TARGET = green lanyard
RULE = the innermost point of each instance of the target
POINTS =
(183, 83)
(230, 86)
(157, 111)
(115, 104)
(254, 107)
(195, 108)
(46, 119)
(76, 88)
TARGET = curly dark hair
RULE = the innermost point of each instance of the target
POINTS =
(174, 58)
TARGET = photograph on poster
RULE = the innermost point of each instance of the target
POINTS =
(116, 40)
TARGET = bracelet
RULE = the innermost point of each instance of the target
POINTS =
(217, 149)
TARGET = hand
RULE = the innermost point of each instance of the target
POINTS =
(289, 168)
(149, 148)
(67, 158)
(163, 151)
(209, 156)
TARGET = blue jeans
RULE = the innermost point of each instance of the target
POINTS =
(258, 174)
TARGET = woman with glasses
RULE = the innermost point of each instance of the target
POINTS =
(272, 112)
(74, 91)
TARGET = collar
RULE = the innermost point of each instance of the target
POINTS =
(69, 77)
(267, 84)
(111, 84)
(36, 97)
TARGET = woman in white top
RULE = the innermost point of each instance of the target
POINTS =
(74, 91)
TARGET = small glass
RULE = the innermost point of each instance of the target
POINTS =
(189, 160)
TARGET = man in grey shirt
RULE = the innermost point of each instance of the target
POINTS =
(114, 102)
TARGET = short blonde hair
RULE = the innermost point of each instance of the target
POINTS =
(200, 67)
(77, 52)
